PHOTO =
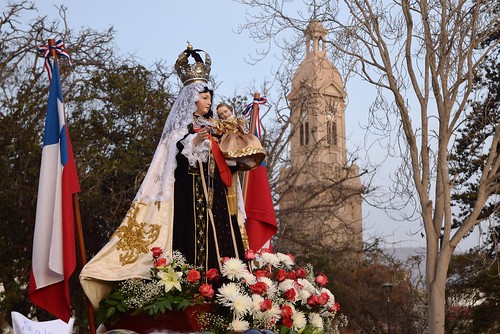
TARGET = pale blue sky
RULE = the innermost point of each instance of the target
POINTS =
(159, 29)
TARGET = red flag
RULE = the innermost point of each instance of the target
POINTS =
(261, 219)
(54, 255)
(225, 172)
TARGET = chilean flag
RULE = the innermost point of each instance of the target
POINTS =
(261, 218)
(54, 255)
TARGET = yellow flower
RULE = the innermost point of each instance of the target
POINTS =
(170, 279)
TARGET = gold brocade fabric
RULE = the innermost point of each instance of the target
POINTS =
(239, 145)
(114, 263)
(135, 237)
(232, 196)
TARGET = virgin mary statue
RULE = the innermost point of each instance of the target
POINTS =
(182, 203)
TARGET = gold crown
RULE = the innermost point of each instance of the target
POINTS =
(199, 71)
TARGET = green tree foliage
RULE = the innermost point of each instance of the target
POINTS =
(117, 120)
(470, 155)
(115, 109)
(473, 301)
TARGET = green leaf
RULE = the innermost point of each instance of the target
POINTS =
(183, 304)
(160, 306)
(111, 301)
(121, 308)
(110, 312)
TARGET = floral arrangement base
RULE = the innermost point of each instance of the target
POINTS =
(179, 321)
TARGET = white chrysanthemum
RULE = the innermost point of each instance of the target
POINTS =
(286, 285)
(241, 305)
(331, 300)
(306, 285)
(285, 260)
(269, 258)
(316, 320)
(271, 286)
(228, 292)
(274, 312)
(269, 316)
(303, 295)
(256, 300)
(233, 269)
(248, 277)
(238, 325)
(299, 320)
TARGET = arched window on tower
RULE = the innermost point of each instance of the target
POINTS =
(306, 133)
(301, 133)
(331, 133)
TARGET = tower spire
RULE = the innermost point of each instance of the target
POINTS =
(315, 38)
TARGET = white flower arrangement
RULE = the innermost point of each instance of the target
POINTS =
(268, 292)
(271, 293)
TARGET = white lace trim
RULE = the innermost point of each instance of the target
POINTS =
(158, 185)
(195, 153)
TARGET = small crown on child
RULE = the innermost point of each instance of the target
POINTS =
(189, 73)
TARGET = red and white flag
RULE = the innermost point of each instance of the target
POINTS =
(54, 255)
(261, 219)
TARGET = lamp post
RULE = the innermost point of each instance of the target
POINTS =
(387, 287)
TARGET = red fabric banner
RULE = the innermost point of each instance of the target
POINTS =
(261, 219)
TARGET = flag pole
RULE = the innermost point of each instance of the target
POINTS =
(253, 121)
(83, 258)
(78, 220)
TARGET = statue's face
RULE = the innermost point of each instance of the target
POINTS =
(203, 104)
(224, 112)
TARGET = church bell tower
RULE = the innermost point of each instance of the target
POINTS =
(320, 190)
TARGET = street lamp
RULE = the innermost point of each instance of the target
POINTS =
(387, 287)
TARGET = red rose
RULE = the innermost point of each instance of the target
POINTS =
(224, 259)
(291, 275)
(157, 252)
(281, 275)
(300, 273)
(249, 255)
(193, 276)
(323, 298)
(321, 279)
(206, 290)
(259, 288)
(287, 322)
(161, 262)
(335, 307)
(212, 274)
(290, 294)
(286, 311)
(260, 273)
(313, 300)
(265, 305)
